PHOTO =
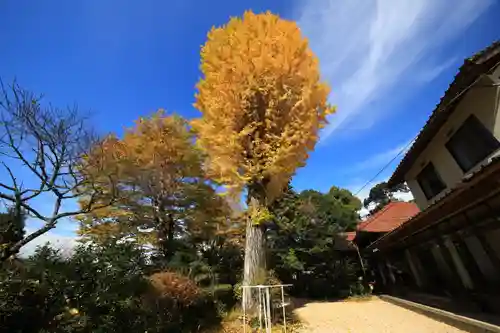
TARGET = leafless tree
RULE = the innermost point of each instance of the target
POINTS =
(42, 151)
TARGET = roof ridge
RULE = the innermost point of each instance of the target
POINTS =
(476, 56)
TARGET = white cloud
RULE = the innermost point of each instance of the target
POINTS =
(403, 196)
(381, 159)
(62, 242)
(363, 194)
(367, 48)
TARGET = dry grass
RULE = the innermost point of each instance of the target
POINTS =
(233, 323)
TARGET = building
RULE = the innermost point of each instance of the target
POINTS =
(452, 246)
(375, 226)
(393, 215)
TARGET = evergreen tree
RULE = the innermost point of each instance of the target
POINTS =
(302, 242)
(11, 230)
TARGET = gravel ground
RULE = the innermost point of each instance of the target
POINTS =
(366, 317)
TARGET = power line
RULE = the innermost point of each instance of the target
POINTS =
(385, 166)
(493, 68)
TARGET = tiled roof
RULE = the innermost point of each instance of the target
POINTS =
(389, 217)
(472, 69)
(350, 235)
(344, 241)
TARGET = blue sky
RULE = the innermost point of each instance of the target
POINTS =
(388, 63)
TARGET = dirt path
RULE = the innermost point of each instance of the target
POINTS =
(366, 317)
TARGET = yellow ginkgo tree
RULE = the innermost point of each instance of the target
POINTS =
(262, 103)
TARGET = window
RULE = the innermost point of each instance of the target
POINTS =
(430, 182)
(471, 144)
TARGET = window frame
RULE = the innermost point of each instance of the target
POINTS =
(488, 137)
(438, 176)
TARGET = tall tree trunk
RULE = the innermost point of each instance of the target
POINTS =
(165, 225)
(166, 235)
(254, 272)
(170, 236)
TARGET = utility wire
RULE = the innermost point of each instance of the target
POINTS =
(415, 137)
(387, 165)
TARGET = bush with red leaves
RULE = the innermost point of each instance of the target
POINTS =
(179, 304)
(178, 288)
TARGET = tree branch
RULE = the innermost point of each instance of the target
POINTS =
(18, 201)
(17, 246)
(50, 143)
(14, 181)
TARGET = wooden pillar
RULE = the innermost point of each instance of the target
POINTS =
(459, 265)
(413, 268)
(490, 252)
(381, 271)
(485, 256)
(481, 257)
(391, 273)
(455, 284)
(444, 269)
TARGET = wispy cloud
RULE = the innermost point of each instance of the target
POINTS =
(367, 47)
(429, 74)
(381, 159)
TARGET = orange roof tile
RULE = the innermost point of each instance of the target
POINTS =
(350, 235)
(389, 217)
(344, 241)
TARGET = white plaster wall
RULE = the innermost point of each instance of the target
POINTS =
(482, 100)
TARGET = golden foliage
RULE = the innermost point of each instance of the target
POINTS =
(259, 214)
(155, 164)
(160, 147)
(262, 101)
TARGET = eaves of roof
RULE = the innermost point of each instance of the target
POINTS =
(473, 68)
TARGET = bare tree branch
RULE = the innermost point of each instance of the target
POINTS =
(14, 181)
(17, 246)
(18, 201)
(49, 143)
(7, 187)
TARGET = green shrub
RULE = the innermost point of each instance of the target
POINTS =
(98, 289)
(33, 294)
(223, 297)
(222, 292)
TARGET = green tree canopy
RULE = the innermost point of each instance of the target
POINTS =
(302, 242)
(381, 194)
(337, 207)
